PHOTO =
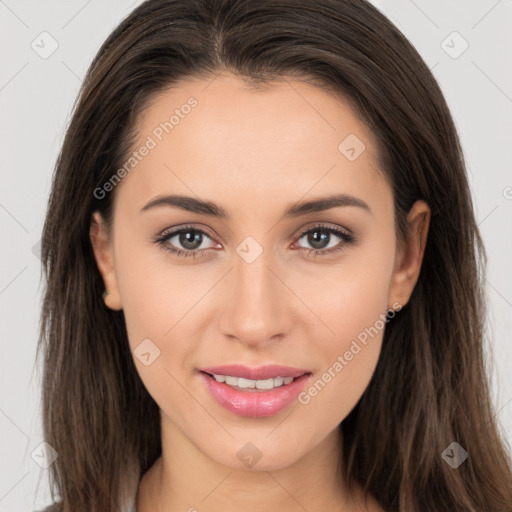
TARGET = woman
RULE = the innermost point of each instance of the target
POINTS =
(264, 274)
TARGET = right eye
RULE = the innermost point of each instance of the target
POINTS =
(184, 242)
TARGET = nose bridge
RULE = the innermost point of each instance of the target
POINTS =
(255, 309)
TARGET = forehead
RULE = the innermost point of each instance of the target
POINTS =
(220, 137)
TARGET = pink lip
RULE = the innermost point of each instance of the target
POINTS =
(255, 403)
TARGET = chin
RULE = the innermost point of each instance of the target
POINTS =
(257, 456)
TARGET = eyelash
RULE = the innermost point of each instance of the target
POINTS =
(345, 237)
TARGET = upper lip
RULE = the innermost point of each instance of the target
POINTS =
(269, 371)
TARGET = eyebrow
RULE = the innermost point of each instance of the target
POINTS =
(194, 205)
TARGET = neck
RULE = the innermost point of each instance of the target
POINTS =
(186, 479)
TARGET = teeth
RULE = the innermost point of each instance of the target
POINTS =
(268, 383)
(242, 383)
(231, 381)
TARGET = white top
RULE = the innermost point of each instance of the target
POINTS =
(129, 492)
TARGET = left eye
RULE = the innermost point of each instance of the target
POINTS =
(320, 238)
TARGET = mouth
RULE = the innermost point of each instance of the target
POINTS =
(254, 392)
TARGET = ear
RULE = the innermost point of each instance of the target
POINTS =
(103, 253)
(410, 255)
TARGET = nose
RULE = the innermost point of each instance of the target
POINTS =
(255, 307)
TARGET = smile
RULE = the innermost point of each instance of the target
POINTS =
(257, 392)
(241, 383)
(248, 384)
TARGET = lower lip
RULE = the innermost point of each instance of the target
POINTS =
(255, 403)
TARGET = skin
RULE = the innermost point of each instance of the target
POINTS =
(254, 153)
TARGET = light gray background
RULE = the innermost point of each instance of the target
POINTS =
(36, 97)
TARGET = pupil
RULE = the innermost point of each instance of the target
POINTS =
(190, 239)
(317, 239)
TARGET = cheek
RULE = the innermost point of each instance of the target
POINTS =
(351, 303)
(158, 303)
(155, 293)
(156, 299)
(348, 296)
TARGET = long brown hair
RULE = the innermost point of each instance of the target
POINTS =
(430, 386)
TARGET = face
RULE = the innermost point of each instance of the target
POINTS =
(255, 277)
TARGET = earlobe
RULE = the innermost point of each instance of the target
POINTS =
(410, 254)
(102, 248)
